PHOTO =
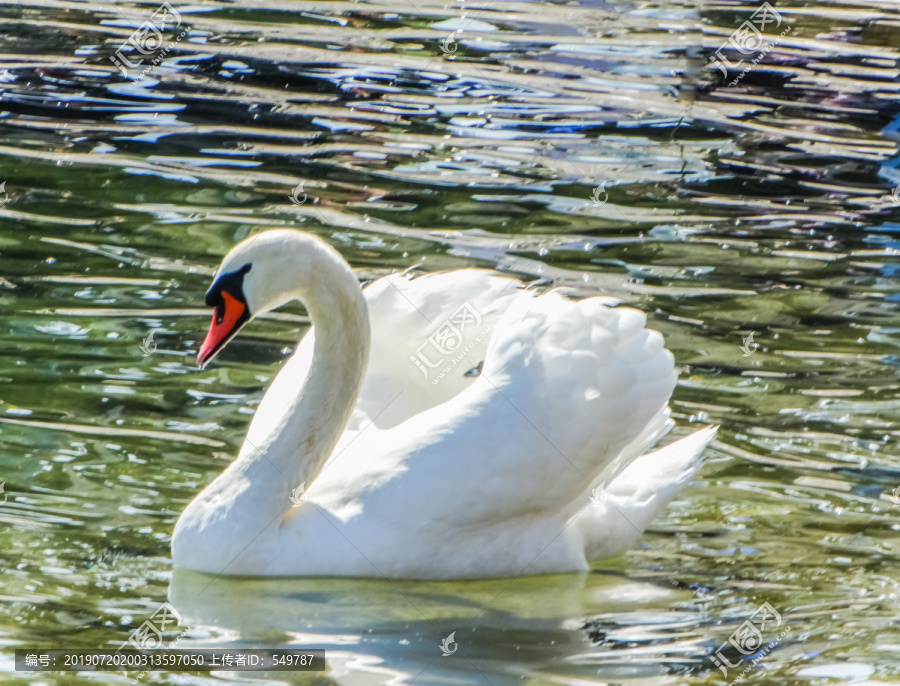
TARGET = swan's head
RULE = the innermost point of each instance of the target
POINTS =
(258, 275)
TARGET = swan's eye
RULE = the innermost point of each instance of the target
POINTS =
(231, 283)
(220, 311)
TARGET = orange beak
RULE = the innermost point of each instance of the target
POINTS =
(229, 316)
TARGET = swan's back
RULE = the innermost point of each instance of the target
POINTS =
(569, 394)
(486, 482)
(428, 332)
(593, 382)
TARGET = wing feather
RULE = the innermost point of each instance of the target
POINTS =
(550, 414)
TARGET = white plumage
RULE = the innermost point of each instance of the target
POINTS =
(437, 470)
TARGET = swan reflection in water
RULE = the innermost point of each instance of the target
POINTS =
(390, 631)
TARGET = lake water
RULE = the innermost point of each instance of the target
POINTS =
(748, 209)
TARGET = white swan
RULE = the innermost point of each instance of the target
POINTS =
(416, 464)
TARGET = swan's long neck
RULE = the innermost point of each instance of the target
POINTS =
(302, 442)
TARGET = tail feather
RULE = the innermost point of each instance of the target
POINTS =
(620, 513)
